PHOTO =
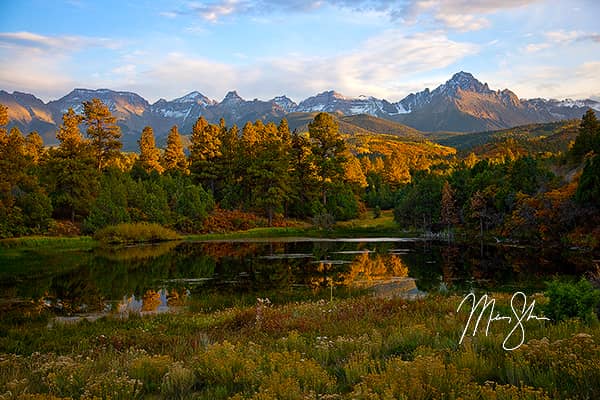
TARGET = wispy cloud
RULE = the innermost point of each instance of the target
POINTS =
(40, 63)
(561, 37)
(548, 81)
(462, 15)
(380, 66)
(31, 40)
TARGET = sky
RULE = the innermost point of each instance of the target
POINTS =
(267, 48)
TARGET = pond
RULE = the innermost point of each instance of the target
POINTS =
(218, 274)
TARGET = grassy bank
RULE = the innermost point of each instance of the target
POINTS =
(47, 242)
(366, 226)
(359, 348)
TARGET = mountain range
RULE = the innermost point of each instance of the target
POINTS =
(462, 104)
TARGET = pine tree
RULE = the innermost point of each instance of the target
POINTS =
(327, 148)
(69, 134)
(284, 130)
(149, 153)
(34, 147)
(449, 214)
(248, 151)
(304, 177)
(588, 138)
(250, 136)
(70, 172)
(3, 122)
(269, 173)
(230, 163)
(103, 131)
(205, 152)
(174, 156)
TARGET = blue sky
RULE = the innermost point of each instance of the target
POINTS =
(266, 48)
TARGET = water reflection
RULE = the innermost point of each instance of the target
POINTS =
(152, 302)
(218, 274)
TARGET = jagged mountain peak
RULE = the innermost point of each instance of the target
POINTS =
(194, 97)
(287, 104)
(462, 103)
(232, 97)
(464, 81)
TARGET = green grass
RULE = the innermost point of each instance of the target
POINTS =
(47, 243)
(360, 348)
(365, 226)
(140, 232)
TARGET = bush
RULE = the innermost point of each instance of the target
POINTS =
(135, 233)
(569, 300)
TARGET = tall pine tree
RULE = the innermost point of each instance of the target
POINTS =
(149, 153)
(327, 148)
(71, 176)
(174, 156)
(103, 131)
(588, 138)
(205, 152)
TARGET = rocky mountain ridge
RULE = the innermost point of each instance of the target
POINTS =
(461, 104)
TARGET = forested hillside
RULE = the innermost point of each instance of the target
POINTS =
(534, 183)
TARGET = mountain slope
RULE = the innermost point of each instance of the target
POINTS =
(461, 104)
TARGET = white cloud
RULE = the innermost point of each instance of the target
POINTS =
(381, 66)
(578, 82)
(55, 43)
(561, 37)
(463, 23)
(42, 64)
(462, 15)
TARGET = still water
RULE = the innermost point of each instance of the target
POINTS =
(217, 274)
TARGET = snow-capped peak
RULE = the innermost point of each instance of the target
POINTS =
(463, 80)
(194, 97)
(287, 104)
(232, 97)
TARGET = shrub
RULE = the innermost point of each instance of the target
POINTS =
(569, 300)
(135, 233)
(150, 370)
(178, 382)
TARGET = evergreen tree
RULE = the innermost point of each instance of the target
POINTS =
(304, 179)
(284, 130)
(70, 174)
(69, 135)
(327, 148)
(250, 136)
(588, 190)
(34, 147)
(248, 151)
(588, 138)
(174, 156)
(205, 152)
(448, 213)
(149, 153)
(230, 161)
(3, 122)
(103, 131)
(24, 206)
(269, 173)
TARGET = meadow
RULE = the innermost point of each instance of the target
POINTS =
(363, 347)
